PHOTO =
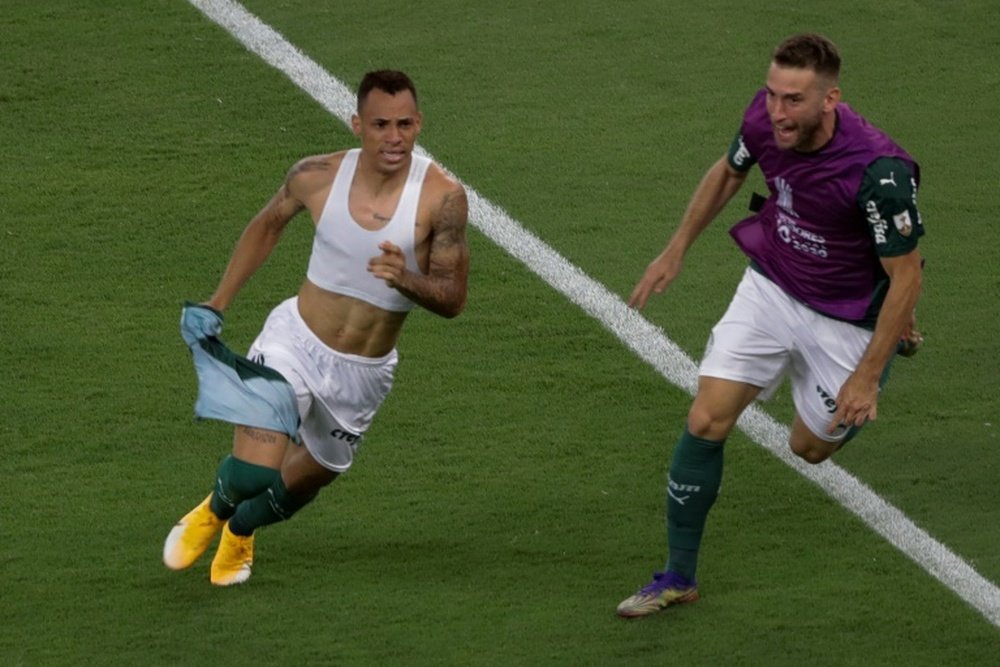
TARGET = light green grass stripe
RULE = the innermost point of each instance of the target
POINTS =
(649, 342)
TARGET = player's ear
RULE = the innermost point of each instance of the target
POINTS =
(419, 121)
(356, 125)
(832, 98)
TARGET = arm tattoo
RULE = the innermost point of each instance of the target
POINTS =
(449, 257)
(443, 289)
(315, 163)
(450, 229)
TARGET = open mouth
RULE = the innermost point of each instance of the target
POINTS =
(784, 133)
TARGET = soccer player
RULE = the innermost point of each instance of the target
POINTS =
(390, 234)
(827, 299)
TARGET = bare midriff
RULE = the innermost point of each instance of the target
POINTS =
(347, 324)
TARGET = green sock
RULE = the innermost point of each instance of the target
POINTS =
(236, 480)
(273, 505)
(692, 487)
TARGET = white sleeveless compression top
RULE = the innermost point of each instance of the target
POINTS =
(342, 247)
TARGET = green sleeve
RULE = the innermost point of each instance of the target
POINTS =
(888, 198)
(739, 155)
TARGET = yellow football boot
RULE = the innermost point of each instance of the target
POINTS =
(191, 536)
(233, 559)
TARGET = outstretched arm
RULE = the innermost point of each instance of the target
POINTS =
(717, 187)
(443, 289)
(262, 233)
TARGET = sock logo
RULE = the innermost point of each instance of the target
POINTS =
(220, 492)
(673, 489)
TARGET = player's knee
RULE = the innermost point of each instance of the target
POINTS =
(808, 446)
(813, 451)
(303, 475)
(705, 423)
(235, 481)
(812, 456)
(309, 484)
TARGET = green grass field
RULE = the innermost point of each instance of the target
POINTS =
(511, 491)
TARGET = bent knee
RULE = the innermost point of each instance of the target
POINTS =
(303, 475)
(808, 446)
(703, 422)
(813, 451)
(813, 456)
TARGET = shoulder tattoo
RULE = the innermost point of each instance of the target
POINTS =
(314, 163)
(303, 166)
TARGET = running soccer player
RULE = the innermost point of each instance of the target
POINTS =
(389, 235)
(828, 298)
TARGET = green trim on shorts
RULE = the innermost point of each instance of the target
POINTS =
(244, 368)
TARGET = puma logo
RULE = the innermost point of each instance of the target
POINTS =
(673, 487)
(890, 180)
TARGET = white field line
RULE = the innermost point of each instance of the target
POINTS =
(648, 341)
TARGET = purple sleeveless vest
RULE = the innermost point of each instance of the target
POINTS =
(811, 236)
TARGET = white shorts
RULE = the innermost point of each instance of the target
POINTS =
(338, 394)
(766, 333)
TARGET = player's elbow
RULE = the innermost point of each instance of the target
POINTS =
(453, 308)
(454, 297)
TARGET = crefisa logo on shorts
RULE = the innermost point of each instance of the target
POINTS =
(341, 434)
(831, 405)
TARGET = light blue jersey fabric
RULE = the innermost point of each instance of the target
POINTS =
(232, 388)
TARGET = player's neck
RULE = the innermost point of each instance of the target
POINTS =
(376, 182)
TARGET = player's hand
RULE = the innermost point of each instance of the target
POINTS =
(199, 321)
(857, 403)
(659, 274)
(912, 340)
(390, 266)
